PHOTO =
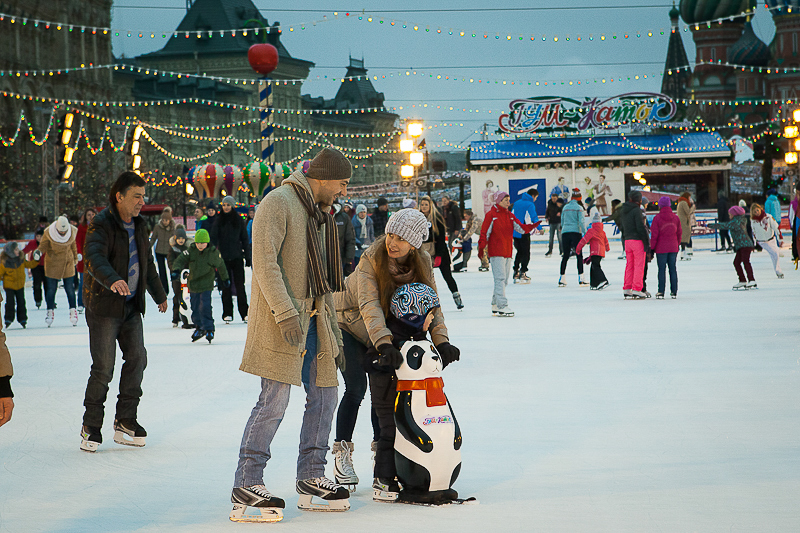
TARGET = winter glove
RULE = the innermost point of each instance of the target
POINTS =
(290, 329)
(225, 283)
(80, 257)
(37, 255)
(174, 276)
(449, 353)
(389, 355)
(186, 252)
(248, 262)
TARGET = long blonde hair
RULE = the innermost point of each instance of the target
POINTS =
(434, 216)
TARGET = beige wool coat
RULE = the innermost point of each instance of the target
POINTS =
(280, 291)
(59, 258)
(5, 357)
(686, 216)
(359, 309)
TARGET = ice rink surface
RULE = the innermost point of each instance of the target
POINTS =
(584, 412)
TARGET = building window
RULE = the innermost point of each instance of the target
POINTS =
(713, 54)
(794, 43)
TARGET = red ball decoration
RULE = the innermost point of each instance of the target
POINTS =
(263, 58)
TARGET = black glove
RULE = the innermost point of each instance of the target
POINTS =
(226, 283)
(174, 276)
(448, 352)
(388, 355)
(248, 262)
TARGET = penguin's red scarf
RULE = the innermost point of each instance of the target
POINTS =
(433, 387)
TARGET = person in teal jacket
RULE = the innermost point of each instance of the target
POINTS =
(773, 206)
(203, 261)
(573, 226)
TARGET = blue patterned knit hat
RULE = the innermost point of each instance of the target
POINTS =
(412, 302)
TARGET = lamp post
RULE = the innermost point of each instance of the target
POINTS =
(410, 146)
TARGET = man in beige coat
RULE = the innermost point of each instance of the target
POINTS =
(292, 335)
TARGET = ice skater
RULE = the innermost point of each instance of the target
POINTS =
(573, 226)
(637, 245)
(525, 211)
(204, 263)
(665, 239)
(12, 274)
(742, 245)
(686, 209)
(767, 234)
(598, 246)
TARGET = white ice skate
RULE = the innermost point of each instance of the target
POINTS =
(582, 281)
(524, 279)
(51, 315)
(385, 490)
(659, 296)
(344, 472)
(129, 433)
(602, 286)
(752, 285)
(637, 295)
(227, 319)
(561, 282)
(334, 496)
(73, 316)
(268, 507)
(90, 438)
(741, 286)
(504, 311)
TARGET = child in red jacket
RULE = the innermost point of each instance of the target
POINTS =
(598, 246)
(497, 241)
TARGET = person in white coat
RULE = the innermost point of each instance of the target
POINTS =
(767, 234)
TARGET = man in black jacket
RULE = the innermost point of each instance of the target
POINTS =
(553, 216)
(380, 216)
(452, 220)
(120, 268)
(229, 235)
(347, 238)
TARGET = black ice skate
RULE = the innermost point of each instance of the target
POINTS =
(197, 335)
(457, 300)
(385, 490)
(90, 438)
(336, 497)
(269, 507)
(128, 432)
(209, 336)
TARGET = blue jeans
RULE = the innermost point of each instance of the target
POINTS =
(664, 261)
(201, 310)
(104, 333)
(50, 288)
(268, 414)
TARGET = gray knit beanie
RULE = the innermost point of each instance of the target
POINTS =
(180, 231)
(361, 208)
(229, 200)
(410, 224)
(329, 164)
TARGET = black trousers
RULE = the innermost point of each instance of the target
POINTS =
(383, 390)
(15, 304)
(236, 275)
(163, 271)
(447, 274)
(38, 283)
(596, 274)
(177, 297)
(570, 240)
(523, 246)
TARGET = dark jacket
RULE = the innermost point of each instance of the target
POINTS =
(347, 240)
(229, 235)
(202, 267)
(632, 224)
(722, 209)
(439, 242)
(452, 219)
(175, 250)
(553, 212)
(207, 223)
(105, 255)
(379, 220)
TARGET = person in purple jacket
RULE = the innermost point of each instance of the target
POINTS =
(665, 240)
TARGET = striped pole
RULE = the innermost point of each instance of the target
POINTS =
(267, 146)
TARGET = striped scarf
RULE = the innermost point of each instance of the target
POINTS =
(320, 283)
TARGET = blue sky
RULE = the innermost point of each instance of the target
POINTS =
(391, 51)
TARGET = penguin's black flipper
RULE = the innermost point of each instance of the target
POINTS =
(407, 426)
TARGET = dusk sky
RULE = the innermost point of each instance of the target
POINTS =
(390, 51)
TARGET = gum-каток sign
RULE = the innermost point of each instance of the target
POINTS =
(567, 114)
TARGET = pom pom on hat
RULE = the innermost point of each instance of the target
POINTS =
(409, 224)
(576, 194)
(180, 231)
(596, 218)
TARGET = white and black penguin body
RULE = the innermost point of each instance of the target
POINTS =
(428, 440)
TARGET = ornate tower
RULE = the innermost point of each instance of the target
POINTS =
(677, 75)
(785, 51)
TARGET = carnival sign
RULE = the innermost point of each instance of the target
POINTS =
(547, 113)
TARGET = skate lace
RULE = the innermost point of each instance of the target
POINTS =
(325, 483)
(346, 462)
(261, 490)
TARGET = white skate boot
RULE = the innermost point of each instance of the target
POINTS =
(385, 490)
(269, 507)
(128, 432)
(742, 285)
(344, 472)
(752, 285)
(73, 316)
(51, 315)
(582, 281)
(504, 311)
(91, 438)
(336, 497)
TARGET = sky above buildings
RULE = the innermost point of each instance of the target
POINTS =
(423, 73)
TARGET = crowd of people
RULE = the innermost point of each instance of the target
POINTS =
(334, 289)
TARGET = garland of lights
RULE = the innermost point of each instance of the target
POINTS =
(37, 23)
(170, 131)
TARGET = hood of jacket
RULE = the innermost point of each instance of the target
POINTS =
(627, 207)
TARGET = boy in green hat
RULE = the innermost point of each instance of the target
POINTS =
(202, 259)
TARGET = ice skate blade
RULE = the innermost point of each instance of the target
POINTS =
(458, 501)
(89, 446)
(120, 438)
(305, 503)
(265, 514)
